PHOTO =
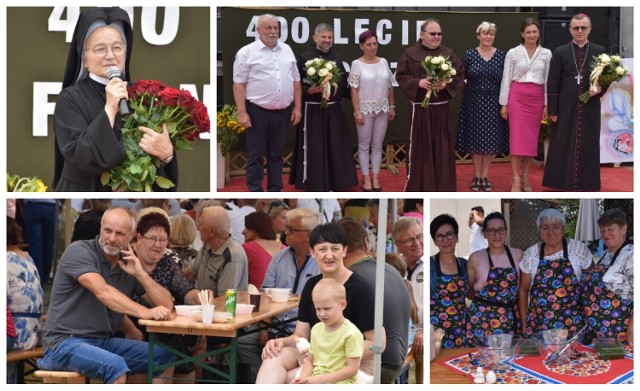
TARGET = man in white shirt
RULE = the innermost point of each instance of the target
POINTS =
(237, 215)
(266, 81)
(329, 208)
(476, 240)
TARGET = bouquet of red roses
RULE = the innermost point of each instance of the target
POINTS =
(153, 104)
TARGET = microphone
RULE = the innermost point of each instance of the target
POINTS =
(112, 72)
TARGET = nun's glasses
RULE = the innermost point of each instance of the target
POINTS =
(101, 50)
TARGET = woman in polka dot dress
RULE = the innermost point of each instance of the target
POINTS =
(481, 130)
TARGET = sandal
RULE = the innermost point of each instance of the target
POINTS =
(476, 184)
(525, 179)
(516, 183)
(486, 186)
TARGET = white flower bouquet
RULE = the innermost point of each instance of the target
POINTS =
(605, 69)
(438, 69)
(323, 73)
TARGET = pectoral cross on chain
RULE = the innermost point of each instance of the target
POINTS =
(578, 78)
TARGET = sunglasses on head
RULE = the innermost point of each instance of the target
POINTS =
(277, 204)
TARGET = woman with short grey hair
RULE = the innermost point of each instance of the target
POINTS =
(550, 292)
(550, 216)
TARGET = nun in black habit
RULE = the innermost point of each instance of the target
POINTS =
(87, 120)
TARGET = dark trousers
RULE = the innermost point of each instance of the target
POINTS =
(266, 135)
(41, 227)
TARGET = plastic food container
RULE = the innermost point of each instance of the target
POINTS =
(553, 340)
(552, 337)
(529, 347)
(186, 310)
(609, 349)
(244, 309)
(497, 350)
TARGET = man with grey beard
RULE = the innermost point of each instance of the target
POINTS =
(91, 294)
(266, 82)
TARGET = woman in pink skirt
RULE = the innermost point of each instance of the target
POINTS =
(523, 96)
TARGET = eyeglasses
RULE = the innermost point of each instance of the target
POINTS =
(440, 237)
(291, 229)
(495, 231)
(578, 28)
(277, 204)
(101, 50)
(434, 34)
(551, 228)
(157, 240)
(418, 238)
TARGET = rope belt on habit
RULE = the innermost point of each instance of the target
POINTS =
(304, 134)
(413, 114)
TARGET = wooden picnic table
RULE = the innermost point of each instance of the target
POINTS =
(232, 330)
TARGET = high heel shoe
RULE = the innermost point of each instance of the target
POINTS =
(373, 185)
(525, 183)
(516, 183)
(365, 181)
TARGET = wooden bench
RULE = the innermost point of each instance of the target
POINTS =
(60, 377)
(20, 357)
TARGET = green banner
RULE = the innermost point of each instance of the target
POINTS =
(396, 30)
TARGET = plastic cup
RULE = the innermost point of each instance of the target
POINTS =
(255, 300)
(207, 314)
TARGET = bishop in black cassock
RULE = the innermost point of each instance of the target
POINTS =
(573, 161)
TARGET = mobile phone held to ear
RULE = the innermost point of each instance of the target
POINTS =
(121, 257)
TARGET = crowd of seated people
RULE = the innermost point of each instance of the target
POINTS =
(164, 251)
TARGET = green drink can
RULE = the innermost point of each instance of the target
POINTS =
(230, 303)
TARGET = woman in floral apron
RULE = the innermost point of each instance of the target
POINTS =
(550, 294)
(449, 283)
(608, 287)
(493, 282)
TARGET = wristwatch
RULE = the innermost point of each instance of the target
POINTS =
(167, 160)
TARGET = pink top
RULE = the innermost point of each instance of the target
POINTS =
(259, 260)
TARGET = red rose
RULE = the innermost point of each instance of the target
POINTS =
(185, 100)
(141, 87)
(154, 87)
(169, 96)
(200, 117)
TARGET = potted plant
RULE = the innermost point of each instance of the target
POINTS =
(228, 130)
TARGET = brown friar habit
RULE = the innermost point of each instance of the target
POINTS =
(431, 163)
